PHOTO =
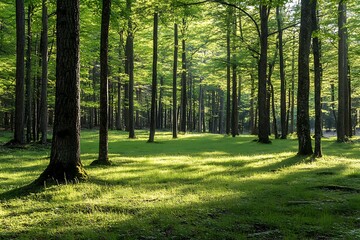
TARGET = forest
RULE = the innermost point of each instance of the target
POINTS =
(180, 119)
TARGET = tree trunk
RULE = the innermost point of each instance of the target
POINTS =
(154, 80)
(176, 49)
(183, 82)
(44, 75)
(221, 113)
(104, 86)
(343, 106)
(252, 105)
(65, 164)
(119, 125)
(228, 73)
(292, 111)
(20, 72)
(28, 109)
(130, 59)
(303, 124)
(317, 68)
(282, 76)
(264, 121)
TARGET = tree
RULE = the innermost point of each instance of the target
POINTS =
(264, 120)
(28, 82)
(104, 85)
(174, 89)
(44, 74)
(65, 164)
(130, 68)
(303, 124)
(228, 70)
(20, 72)
(154, 80)
(183, 80)
(284, 129)
(317, 68)
(343, 90)
(235, 112)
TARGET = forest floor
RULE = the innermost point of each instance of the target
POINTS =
(194, 187)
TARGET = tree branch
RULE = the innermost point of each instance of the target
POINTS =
(222, 2)
(285, 28)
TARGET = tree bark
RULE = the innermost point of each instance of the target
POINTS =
(264, 121)
(228, 73)
(292, 111)
(29, 95)
(20, 72)
(44, 74)
(176, 50)
(303, 124)
(318, 69)
(130, 59)
(65, 164)
(103, 158)
(183, 82)
(154, 80)
(343, 106)
(284, 130)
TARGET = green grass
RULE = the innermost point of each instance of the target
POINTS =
(195, 187)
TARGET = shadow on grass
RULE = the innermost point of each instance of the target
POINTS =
(20, 192)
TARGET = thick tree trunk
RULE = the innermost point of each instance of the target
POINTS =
(317, 70)
(20, 72)
(174, 97)
(65, 164)
(154, 80)
(303, 124)
(29, 95)
(44, 75)
(264, 121)
(284, 130)
(104, 86)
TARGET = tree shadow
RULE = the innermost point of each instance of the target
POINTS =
(20, 192)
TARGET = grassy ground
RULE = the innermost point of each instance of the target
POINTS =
(195, 187)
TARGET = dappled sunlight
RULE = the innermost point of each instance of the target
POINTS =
(197, 183)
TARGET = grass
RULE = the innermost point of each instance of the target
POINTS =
(195, 187)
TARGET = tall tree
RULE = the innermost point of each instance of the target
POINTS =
(28, 80)
(317, 70)
(176, 50)
(343, 93)
(20, 73)
(44, 74)
(264, 120)
(154, 80)
(183, 81)
(228, 70)
(284, 129)
(130, 65)
(65, 164)
(303, 124)
(104, 85)
(235, 111)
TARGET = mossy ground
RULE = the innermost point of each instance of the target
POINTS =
(194, 187)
